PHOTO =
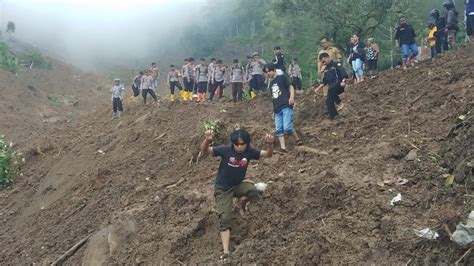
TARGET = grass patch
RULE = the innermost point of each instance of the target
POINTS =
(8, 166)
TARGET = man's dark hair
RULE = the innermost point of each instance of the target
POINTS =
(277, 48)
(323, 55)
(269, 67)
(235, 61)
(191, 59)
(219, 61)
(203, 59)
(141, 73)
(171, 66)
(325, 38)
(401, 17)
(153, 63)
(186, 59)
(249, 57)
(240, 134)
(295, 59)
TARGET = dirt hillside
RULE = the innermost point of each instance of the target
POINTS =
(34, 100)
(138, 190)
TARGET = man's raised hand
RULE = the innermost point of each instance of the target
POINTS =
(209, 135)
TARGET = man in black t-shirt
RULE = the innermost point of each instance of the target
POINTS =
(283, 95)
(405, 39)
(230, 181)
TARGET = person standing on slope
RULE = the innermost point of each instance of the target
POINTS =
(470, 19)
(202, 77)
(173, 81)
(357, 57)
(230, 181)
(237, 77)
(255, 76)
(441, 39)
(334, 77)
(118, 91)
(283, 95)
(294, 71)
(405, 39)
(452, 27)
(147, 86)
(335, 55)
(279, 61)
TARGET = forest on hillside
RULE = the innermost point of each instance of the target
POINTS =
(298, 25)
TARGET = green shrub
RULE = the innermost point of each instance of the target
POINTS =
(8, 60)
(36, 60)
(8, 165)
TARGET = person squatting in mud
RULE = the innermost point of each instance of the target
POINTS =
(173, 81)
(283, 98)
(334, 76)
(230, 182)
(118, 91)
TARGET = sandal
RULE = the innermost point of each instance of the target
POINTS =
(225, 257)
(282, 151)
(299, 142)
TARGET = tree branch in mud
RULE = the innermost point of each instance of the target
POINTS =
(70, 251)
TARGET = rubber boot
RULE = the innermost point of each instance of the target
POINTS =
(189, 95)
(119, 114)
(172, 97)
(114, 115)
(253, 95)
(181, 95)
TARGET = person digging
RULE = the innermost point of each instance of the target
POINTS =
(230, 182)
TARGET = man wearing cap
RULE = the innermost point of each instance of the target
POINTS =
(118, 91)
(255, 76)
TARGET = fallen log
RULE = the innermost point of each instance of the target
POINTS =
(311, 150)
(70, 251)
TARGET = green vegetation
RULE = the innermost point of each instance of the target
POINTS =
(8, 167)
(298, 25)
(215, 126)
(8, 60)
(36, 60)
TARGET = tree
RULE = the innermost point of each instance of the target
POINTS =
(10, 28)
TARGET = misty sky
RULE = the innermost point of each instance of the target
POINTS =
(84, 32)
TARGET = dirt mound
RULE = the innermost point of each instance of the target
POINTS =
(34, 100)
(138, 187)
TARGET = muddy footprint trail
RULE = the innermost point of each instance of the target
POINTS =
(138, 189)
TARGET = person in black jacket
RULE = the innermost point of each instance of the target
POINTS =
(452, 27)
(405, 39)
(440, 23)
(279, 60)
(335, 77)
(357, 57)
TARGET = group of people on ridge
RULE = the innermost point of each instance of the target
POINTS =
(206, 82)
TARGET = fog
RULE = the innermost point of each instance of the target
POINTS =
(95, 33)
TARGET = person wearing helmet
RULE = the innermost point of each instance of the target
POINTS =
(470, 19)
(118, 91)
(440, 23)
(452, 27)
